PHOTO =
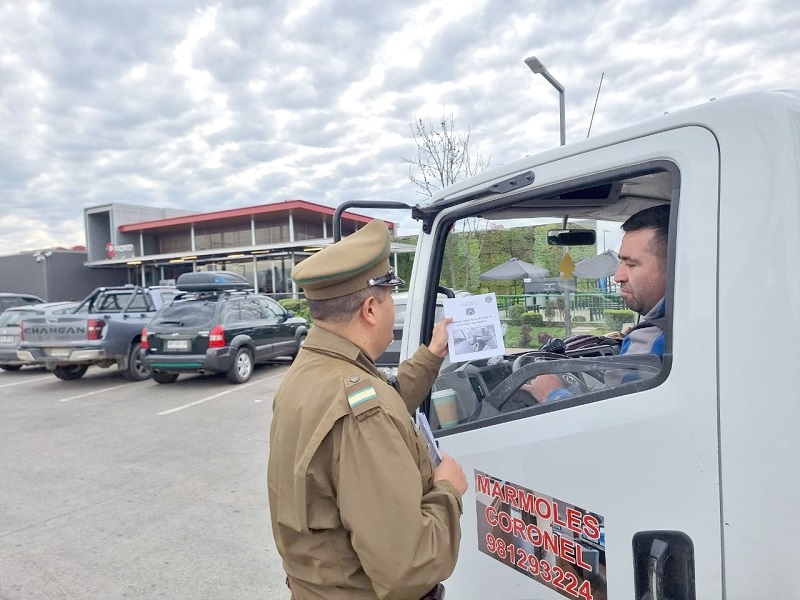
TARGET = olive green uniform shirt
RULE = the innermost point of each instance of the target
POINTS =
(355, 511)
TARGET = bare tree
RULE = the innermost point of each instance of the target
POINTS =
(443, 156)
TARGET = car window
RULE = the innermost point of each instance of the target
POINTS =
(111, 302)
(271, 307)
(168, 295)
(139, 302)
(251, 310)
(10, 301)
(230, 311)
(65, 310)
(189, 313)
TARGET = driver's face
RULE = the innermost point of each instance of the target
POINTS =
(642, 275)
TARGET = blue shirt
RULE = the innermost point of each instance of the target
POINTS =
(646, 338)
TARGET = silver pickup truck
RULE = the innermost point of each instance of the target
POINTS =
(104, 330)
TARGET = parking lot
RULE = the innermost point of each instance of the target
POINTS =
(114, 489)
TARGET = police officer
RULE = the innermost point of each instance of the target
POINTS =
(358, 510)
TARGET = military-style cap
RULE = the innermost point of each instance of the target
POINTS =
(354, 263)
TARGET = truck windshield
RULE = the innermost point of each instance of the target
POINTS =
(563, 315)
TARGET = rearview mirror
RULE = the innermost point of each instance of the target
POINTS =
(571, 237)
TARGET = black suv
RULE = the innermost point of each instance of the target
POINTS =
(218, 325)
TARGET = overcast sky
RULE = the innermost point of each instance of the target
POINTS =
(209, 106)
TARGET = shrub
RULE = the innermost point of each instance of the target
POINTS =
(616, 318)
(579, 319)
(532, 318)
(298, 307)
(515, 313)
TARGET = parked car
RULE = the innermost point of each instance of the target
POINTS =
(218, 325)
(9, 299)
(9, 329)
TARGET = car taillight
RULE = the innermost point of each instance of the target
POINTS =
(94, 328)
(216, 337)
(143, 342)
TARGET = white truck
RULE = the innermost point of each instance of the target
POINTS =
(679, 484)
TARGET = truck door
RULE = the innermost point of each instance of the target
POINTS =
(611, 491)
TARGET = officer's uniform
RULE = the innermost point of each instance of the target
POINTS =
(355, 511)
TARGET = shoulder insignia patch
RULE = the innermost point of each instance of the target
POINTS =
(361, 395)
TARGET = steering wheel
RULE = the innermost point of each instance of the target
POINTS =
(540, 355)
(534, 356)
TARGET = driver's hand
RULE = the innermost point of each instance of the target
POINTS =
(438, 343)
(541, 386)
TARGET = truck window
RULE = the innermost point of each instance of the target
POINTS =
(563, 326)
(139, 302)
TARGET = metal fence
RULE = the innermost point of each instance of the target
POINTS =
(587, 307)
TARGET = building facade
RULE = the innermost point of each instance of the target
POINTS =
(262, 242)
(55, 274)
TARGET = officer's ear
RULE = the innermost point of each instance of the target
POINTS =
(369, 309)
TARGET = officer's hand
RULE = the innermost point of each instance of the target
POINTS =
(450, 470)
(438, 343)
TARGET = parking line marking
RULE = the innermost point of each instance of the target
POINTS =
(220, 394)
(5, 385)
(92, 393)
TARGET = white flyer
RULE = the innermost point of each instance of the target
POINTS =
(475, 332)
(433, 446)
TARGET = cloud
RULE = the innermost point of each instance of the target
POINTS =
(241, 102)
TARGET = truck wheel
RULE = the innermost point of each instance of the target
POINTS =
(300, 341)
(70, 372)
(242, 368)
(10, 367)
(137, 369)
(161, 377)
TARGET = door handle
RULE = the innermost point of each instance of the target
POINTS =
(659, 553)
(664, 565)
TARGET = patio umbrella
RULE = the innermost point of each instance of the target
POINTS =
(597, 267)
(513, 268)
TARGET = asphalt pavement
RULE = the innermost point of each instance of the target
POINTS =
(112, 489)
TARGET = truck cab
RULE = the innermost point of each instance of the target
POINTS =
(672, 483)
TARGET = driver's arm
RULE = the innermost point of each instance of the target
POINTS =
(546, 388)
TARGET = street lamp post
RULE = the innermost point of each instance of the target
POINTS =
(537, 67)
(41, 256)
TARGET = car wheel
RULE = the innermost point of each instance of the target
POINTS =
(10, 367)
(71, 372)
(300, 341)
(242, 368)
(137, 369)
(161, 377)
